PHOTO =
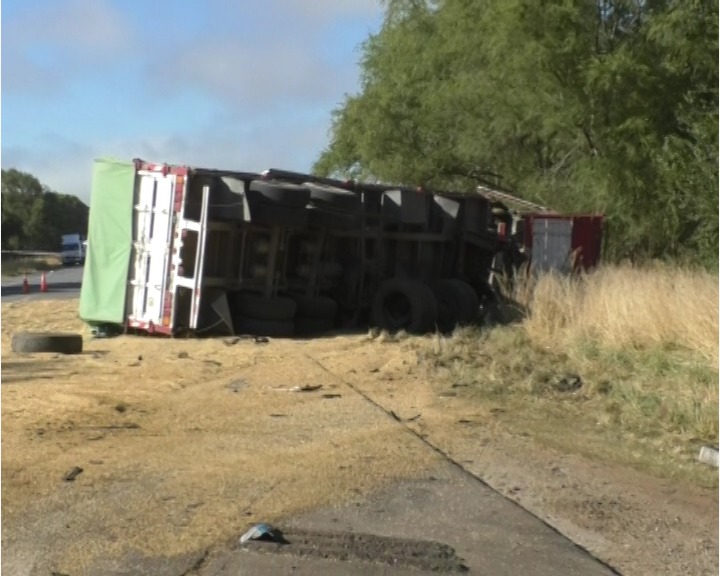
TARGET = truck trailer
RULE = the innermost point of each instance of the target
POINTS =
(182, 250)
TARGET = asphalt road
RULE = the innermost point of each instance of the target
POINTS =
(62, 283)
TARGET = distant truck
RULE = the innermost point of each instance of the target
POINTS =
(73, 249)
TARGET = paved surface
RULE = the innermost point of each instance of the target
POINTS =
(62, 283)
(450, 523)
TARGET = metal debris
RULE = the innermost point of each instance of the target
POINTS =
(72, 474)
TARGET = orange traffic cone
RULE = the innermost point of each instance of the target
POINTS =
(26, 285)
(43, 283)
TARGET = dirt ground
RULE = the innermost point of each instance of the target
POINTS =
(184, 443)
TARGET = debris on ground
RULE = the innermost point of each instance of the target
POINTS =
(709, 455)
(236, 339)
(263, 532)
(306, 388)
(237, 385)
(72, 474)
(568, 383)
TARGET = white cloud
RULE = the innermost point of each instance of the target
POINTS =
(91, 27)
(255, 77)
(66, 166)
(304, 14)
(43, 49)
(273, 71)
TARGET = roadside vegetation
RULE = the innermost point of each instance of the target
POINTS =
(34, 217)
(593, 105)
(28, 265)
(619, 364)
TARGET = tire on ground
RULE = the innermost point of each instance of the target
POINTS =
(258, 327)
(283, 193)
(256, 306)
(458, 303)
(305, 326)
(60, 343)
(318, 307)
(401, 304)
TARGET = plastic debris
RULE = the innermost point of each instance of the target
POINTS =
(262, 532)
(709, 455)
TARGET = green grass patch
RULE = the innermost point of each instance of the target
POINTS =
(652, 407)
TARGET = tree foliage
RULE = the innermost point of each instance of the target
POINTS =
(582, 105)
(34, 217)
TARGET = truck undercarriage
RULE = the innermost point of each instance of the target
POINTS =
(281, 253)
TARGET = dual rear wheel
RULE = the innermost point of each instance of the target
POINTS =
(403, 304)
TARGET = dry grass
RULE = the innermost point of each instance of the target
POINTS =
(644, 345)
(620, 307)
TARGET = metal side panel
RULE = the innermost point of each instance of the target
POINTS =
(551, 244)
(153, 223)
(195, 306)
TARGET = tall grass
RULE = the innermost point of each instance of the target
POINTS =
(643, 343)
(625, 306)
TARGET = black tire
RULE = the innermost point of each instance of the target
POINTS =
(325, 196)
(33, 342)
(256, 306)
(401, 304)
(279, 193)
(313, 326)
(319, 307)
(458, 303)
(270, 328)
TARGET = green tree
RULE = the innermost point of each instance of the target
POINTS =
(603, 105)
(34, 217)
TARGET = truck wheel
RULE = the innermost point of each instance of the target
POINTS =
(271, 328)
(458, 303)
(60, 343)
(256, 306)
(281, 193)
(334, 198)
(320, 307)
(401, 304)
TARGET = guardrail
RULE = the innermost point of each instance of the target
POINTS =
(28, 253)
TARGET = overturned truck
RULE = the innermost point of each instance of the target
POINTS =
(178, 250)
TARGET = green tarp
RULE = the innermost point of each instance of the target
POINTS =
(110, 236)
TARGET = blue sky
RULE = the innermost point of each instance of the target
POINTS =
(234, 84)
